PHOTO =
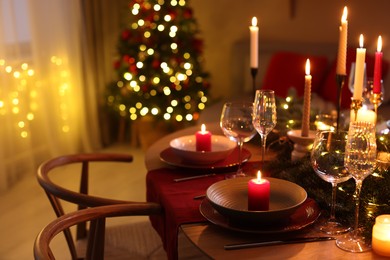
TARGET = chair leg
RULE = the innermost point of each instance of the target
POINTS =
(96, 237)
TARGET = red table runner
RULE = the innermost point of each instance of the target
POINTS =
(177, 199)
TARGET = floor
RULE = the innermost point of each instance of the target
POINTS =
(25, 208)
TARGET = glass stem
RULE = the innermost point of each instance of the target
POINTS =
(263, 146)
(332, 217)
(240, 144)
(356, 197)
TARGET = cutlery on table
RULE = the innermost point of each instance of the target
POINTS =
(277, 242)
(193, 177)
(199, 197)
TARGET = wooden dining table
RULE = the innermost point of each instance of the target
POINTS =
(186, 233)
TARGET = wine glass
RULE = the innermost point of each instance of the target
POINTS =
(360, 160)
(327, 160)
(236, 124)
(367, 93)
(264, 116)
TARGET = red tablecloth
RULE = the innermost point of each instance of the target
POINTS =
(177, 199)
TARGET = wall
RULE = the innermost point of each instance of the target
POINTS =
(224, 28)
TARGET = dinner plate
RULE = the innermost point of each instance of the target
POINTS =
(304, 216)
(230, 198)
(170, 157)
(185, 147)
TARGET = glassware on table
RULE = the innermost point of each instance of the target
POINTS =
(360, 161)
(326, 122)
(236, 124)
(351, 78)
(327, 160)
(264, 116)
(367, 92)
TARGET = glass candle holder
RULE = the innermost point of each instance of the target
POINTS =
(381, 235)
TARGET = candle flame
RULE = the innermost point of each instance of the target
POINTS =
(379, 47)
(361, 40)
(307, 68)
(345, 14)
(259, 176)
(203, 128)
(254, 21)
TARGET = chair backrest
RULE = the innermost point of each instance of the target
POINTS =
(97, 217)
(57, 193)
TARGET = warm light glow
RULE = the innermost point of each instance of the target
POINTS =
(254, 21)
(379, 47)
(259, 176)
(307, 68)
(203, 128)
(361, 41)
(345, 14)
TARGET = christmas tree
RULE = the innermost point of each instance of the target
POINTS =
(159, 67)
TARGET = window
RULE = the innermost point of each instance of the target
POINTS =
(14, 15)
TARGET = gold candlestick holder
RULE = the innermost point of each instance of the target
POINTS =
(356, 104)
(376, 100)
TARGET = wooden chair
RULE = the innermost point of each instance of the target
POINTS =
(97, 217)
(57, 193)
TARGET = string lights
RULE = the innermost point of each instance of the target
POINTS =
(159, 65)
(20, 95)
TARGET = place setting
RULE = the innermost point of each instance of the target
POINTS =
(203, 150)
(223, 153)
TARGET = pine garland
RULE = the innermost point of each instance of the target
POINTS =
(374, 197)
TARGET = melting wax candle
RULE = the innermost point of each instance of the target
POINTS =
(381, 235)
(258, 193)
(203, 139)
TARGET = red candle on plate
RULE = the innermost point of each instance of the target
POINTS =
(203, 139)
(258, 193)
(378, 67)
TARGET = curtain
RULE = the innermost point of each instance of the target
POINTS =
(102, 21)
(48, 95)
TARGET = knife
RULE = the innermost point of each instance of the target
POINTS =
(277, 242)
(193, 177)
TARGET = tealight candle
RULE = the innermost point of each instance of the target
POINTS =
(203, 139)
(381, 235)
(258, 193)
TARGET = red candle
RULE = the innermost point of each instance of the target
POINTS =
(203, 139)
(258, 193)
(378, 67)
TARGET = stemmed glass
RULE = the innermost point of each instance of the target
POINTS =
(327, 160)
(360, 160)
(264, 116)
(236, 124)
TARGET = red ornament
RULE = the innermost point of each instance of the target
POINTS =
(126, 58)
(156, 64)
(173, 14)
(126, 34)
(187, 13)
(133, 69)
